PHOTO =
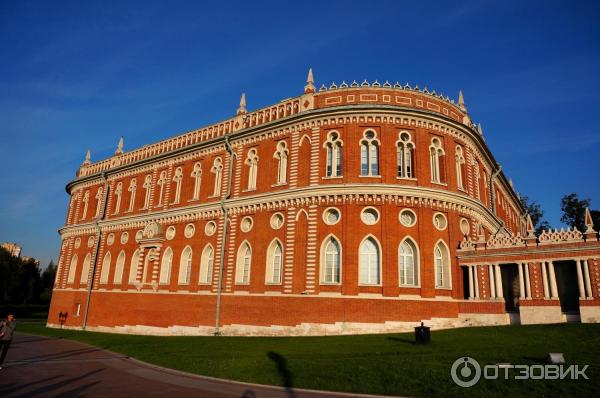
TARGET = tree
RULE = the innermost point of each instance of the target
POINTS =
(536, 213)
(573, 210)
(595, 218)
(48, 276)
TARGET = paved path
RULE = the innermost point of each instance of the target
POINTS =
(45, 367)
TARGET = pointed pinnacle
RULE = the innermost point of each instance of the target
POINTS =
(242, 107)
(310, 82)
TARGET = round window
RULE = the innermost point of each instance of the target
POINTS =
(439, 221)
(277, 220)
(189, 230)
(90, 241)
(110, 239)
(369, 216)
(139, 235)
(210, 228)
(170, 234)
(331, 216)
(246, 224)
(408, 218)
(77, 243)
(124, 237)
(464, 226)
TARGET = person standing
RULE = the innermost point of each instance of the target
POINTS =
(7, 328)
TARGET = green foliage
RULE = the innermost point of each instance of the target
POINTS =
(573, 210)
(536, 213)
(21, 281)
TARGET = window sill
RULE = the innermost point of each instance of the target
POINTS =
(242, 283)
(406, 178)
(369, 176)
(410, 286)
(214, 196)
(279, 184)
(443, 288)
(332, 177)
(272, 283)
(369, 285)
(249, 190)
(330, 283)
(193, 200)
(439, 183)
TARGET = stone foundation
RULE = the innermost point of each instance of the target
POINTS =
(541, 314)
(589, 314)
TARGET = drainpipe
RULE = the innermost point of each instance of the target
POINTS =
(224, 240)
(96, 250)
(492, 192)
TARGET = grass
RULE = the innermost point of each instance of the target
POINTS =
(387, 364)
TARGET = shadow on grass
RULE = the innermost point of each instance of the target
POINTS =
(402, 340)
(284, 372)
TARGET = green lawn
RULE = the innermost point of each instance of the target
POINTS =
(378, 364)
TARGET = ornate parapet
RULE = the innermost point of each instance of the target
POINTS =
(560, 236)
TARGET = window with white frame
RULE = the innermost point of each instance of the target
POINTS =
(442, 265)
(369, 262)
(435, 154)
(86, 200)
(99, 195)
(85, 269)
(105, 268)
(333, 146)
(281, 154)
(206, 264)
(133, 267)
(177, 178)
(460, 165)
(217, 170)
(252, 163)
(165, 267)
(185, 266)
(243, 263)
(197, 176)
(162, 181)
(72, 270)
(147, 185)
(132, 189)
(408, 263)
(331, 261)
(405, 150)
(118, 194)
(118, 277)
(274, 262)
(369, 154)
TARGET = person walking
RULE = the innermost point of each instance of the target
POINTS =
(7, 328)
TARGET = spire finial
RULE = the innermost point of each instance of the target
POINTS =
(589, 222)
(119, 150)
(310, 82)
(479, 129)
(461, 101)
(88, 157)
(530, 228)
(242, 109)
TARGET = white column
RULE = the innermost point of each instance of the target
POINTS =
(586, 275)
(521, 281)
(527, 281)
(580, 279)
(492, 282)
(553, 288)
(470, 270)
(476, 280)
(545, 280)
(499, 292)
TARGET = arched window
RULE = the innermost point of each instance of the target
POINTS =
(408, 263)
(331, 265)
(217, 170)
(118, 194)
(162, 181)
(274, 262)
(99, 195)
(85, 269)
(177, 180)
(185, 266)
(435, 153)
(147, 185)
(281, 154)
(442, 265)
(118, 278)
(244, 259)
(165, 267)
(86, 200)
(132, 188)
(72, 269)
(197, 176)
(206, 264)
(460, 163)
(133, 267)
(333, 146)
(105, 268)
(252, 163)
(369, 154)
(369, 262)
(405, 149)
(477, 177)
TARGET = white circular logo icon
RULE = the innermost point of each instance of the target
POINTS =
(465, 372)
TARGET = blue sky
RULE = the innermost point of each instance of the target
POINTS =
(78, 75)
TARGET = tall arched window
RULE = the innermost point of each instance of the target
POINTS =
(118, 278)
(165, 267)
(162, 180)
(99, 196)
(197, 176)
(132, 189)
(147, 185)
(177, 178)
(477, 178)
(118, 194)
(330, 261)
(105, 268)
(274, 262)
(85, 269)
(217, 170)
(333, 146)
(408, 263)
(133, 267)
(369, 154)
(244, 259)
(460, 163)
(185, 266)
(435, 154)
(72, 269)
(442, 265)
(405, 149)
(252, 163)
(369, 262)
(206, 264)
(281, 154)
(86, 200)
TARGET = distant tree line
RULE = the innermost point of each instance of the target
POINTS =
(22, 281)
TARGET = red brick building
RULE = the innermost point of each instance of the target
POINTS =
(354, 208)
